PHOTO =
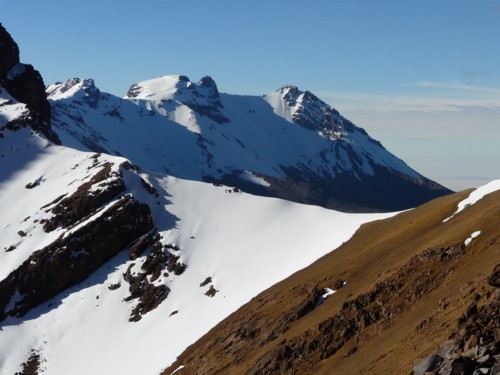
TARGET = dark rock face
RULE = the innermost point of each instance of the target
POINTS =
(210, 88)
(82, 203)
(70, 260)
(141, 287)
(9, 52)
(124, 225)
(25, 84)
(210, 105)
(494, 279)
(32, 364)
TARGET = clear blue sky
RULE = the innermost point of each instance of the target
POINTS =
(421, 76)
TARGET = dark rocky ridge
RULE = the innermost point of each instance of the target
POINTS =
(25, 84)
(123, 224)
(141, 286)
(70, 260)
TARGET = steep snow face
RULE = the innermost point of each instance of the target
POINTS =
(173, 88)
(288, 138)
(77, 89)
(10, 109)
(310, 112)
(233, 244)
(202, 97)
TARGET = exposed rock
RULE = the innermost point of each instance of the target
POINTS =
(102, 187)
(9, 52)
(150, 189)
(339, 284)
(143, 243)
(211, 292)
(475, 340)
(149, 300)
(31, 185)
(207, 281)
(114, 286)
(494, 279)
(149, 296)
(141, 286)
(25, 84)
(428, 364)
(32, 364)
(71, 259)
(462, 365)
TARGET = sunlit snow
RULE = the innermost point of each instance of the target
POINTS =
(475, 196)
(472, 236)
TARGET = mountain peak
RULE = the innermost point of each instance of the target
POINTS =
(307, 110)
(202, 97)
(173, 87)
(76, 88)
(208, 88)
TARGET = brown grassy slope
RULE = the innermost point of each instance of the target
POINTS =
(409, 278)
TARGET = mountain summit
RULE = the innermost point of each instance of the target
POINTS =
(287, 144)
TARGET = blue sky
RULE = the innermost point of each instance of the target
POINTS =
(421, 76)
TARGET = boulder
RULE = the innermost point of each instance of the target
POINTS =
(428, 364)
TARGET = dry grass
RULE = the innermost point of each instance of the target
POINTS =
(375, 253)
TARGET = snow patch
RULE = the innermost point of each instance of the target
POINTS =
(472, 236)
(178, 368)
(475, 196)
(254, 179)
(327, 292)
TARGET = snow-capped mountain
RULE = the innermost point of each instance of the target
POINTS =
(128, 242)
(287, 144)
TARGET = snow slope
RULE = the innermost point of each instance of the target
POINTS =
(244, 243)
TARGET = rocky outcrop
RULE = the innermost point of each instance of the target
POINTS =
(210, 104)
(89, 197)
(72, 258)
(32, 364)
(98, 220)
(474, 345)
(141, 282)
(25, 84)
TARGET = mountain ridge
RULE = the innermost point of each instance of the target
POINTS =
(303, 149)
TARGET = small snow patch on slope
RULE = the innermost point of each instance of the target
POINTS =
(472, 236)
(475, 196)
(254, 179)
